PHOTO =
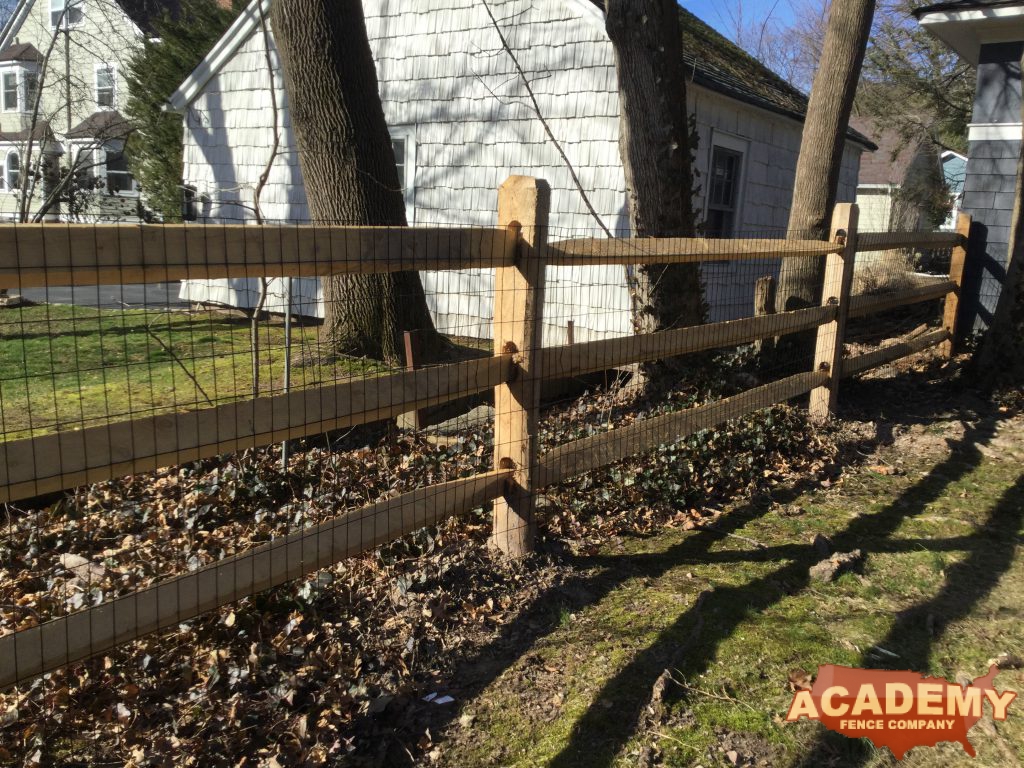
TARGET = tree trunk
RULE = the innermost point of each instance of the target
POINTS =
(348, 166)
(654, 144)
(822, 145)
(1001, 359)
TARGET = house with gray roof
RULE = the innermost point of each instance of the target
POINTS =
(461, 122)
(989, 34)
(62, 88)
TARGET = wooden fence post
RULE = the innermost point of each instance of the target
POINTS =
(828, 353)
(956, 276)
(523, 202)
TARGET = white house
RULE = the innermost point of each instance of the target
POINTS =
(461, 124)
(74, 54)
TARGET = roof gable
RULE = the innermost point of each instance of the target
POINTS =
(713, 62)
(894, 156)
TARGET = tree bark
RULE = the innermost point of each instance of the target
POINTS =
(654, 144)
(822, 145)
(348, 166)
(1001, 358)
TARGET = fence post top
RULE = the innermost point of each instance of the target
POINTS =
(514, 183)
(526, 200)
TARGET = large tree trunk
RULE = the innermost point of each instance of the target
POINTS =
(822, 145)
(655, 149)
(348, 166)
(1001, 358)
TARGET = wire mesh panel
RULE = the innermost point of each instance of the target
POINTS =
(236, 408)
(115, 375)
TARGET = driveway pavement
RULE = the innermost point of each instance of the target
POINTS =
(151, 296)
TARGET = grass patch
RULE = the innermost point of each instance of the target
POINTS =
(67, 366)
(734, 617)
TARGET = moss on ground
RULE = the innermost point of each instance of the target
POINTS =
(732, 612)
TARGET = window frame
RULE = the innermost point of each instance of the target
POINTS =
(736, 146)
(16, 74)
(94, 155)
(23, 92)
(407, 134)
(21, 75)
(14, 186)
(63, 9)
(105, 67)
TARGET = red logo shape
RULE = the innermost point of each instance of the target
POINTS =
(899, 710)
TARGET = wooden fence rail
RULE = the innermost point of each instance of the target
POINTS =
(37, 650)
(41, 255)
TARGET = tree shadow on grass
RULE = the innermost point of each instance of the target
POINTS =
(990, 553)
(600, 733)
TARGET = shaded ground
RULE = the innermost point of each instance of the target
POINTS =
(559, 660)
(933, 493)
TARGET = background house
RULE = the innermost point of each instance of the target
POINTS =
(903, 185)
(989, 34)
(72, 54)
(461, 123)
(954, 171)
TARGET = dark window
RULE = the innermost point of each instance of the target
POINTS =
(188, 204)
(31, 90)
(119, 179)
(13, 171)
(723, 192)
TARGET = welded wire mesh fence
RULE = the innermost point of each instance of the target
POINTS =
(492, 362)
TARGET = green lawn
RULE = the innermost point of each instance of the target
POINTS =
(64, 367)
(732, 612)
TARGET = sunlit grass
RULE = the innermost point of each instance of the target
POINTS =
(65, 367)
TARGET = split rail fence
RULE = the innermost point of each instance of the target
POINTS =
(518, 251)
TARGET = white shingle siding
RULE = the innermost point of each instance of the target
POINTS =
(444, 77)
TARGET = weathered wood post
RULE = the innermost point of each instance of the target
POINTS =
(956, 276)
(828, 353)
(523, 203)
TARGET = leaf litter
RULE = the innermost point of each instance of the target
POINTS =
(345, 666)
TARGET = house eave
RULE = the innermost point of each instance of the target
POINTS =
(247, 22)
(14, 23)
(966, 30)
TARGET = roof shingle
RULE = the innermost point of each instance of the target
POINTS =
(21, 52)
(720, 65)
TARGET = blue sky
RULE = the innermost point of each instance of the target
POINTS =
(720, 14)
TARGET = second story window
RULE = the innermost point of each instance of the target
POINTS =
(19, 87)
(65, 13)
(105, 77)
(10, 84)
